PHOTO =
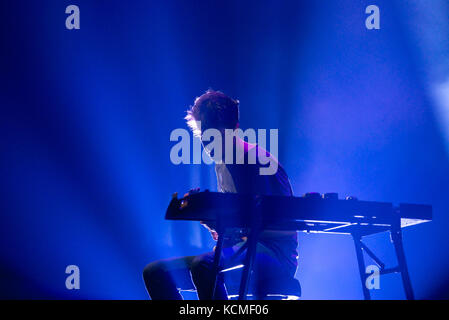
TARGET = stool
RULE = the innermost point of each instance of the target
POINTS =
(277, 289)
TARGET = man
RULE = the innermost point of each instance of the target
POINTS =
(276, 256)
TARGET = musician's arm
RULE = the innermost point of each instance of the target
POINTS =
(210, 228)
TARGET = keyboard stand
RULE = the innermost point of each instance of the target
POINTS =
(349, 217)
(396, 239)
(251, 247)
(360, 248)
(217, 256)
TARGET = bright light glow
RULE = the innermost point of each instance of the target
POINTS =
(233, 268)
(441, 95)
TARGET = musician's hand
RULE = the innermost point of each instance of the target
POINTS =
(192, 191)
(213, 233)
(185, 203)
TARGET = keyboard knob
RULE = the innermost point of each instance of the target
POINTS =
(312, 195)
(331, 195)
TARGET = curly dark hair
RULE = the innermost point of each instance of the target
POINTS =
(214, 110)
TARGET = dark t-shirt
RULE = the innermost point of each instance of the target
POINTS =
(246, 179)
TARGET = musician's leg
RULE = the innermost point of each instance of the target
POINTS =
(268, 266)
(164, 277)
(203, 276)
(270, 271)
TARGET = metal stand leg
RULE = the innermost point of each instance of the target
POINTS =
(396, 237)
(217, 256)
(361, 263)
(249, 260)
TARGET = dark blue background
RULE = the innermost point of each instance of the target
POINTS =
(86, 117)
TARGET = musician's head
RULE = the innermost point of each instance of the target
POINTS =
(213, 110)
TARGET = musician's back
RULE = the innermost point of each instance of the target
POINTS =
(246, 178)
